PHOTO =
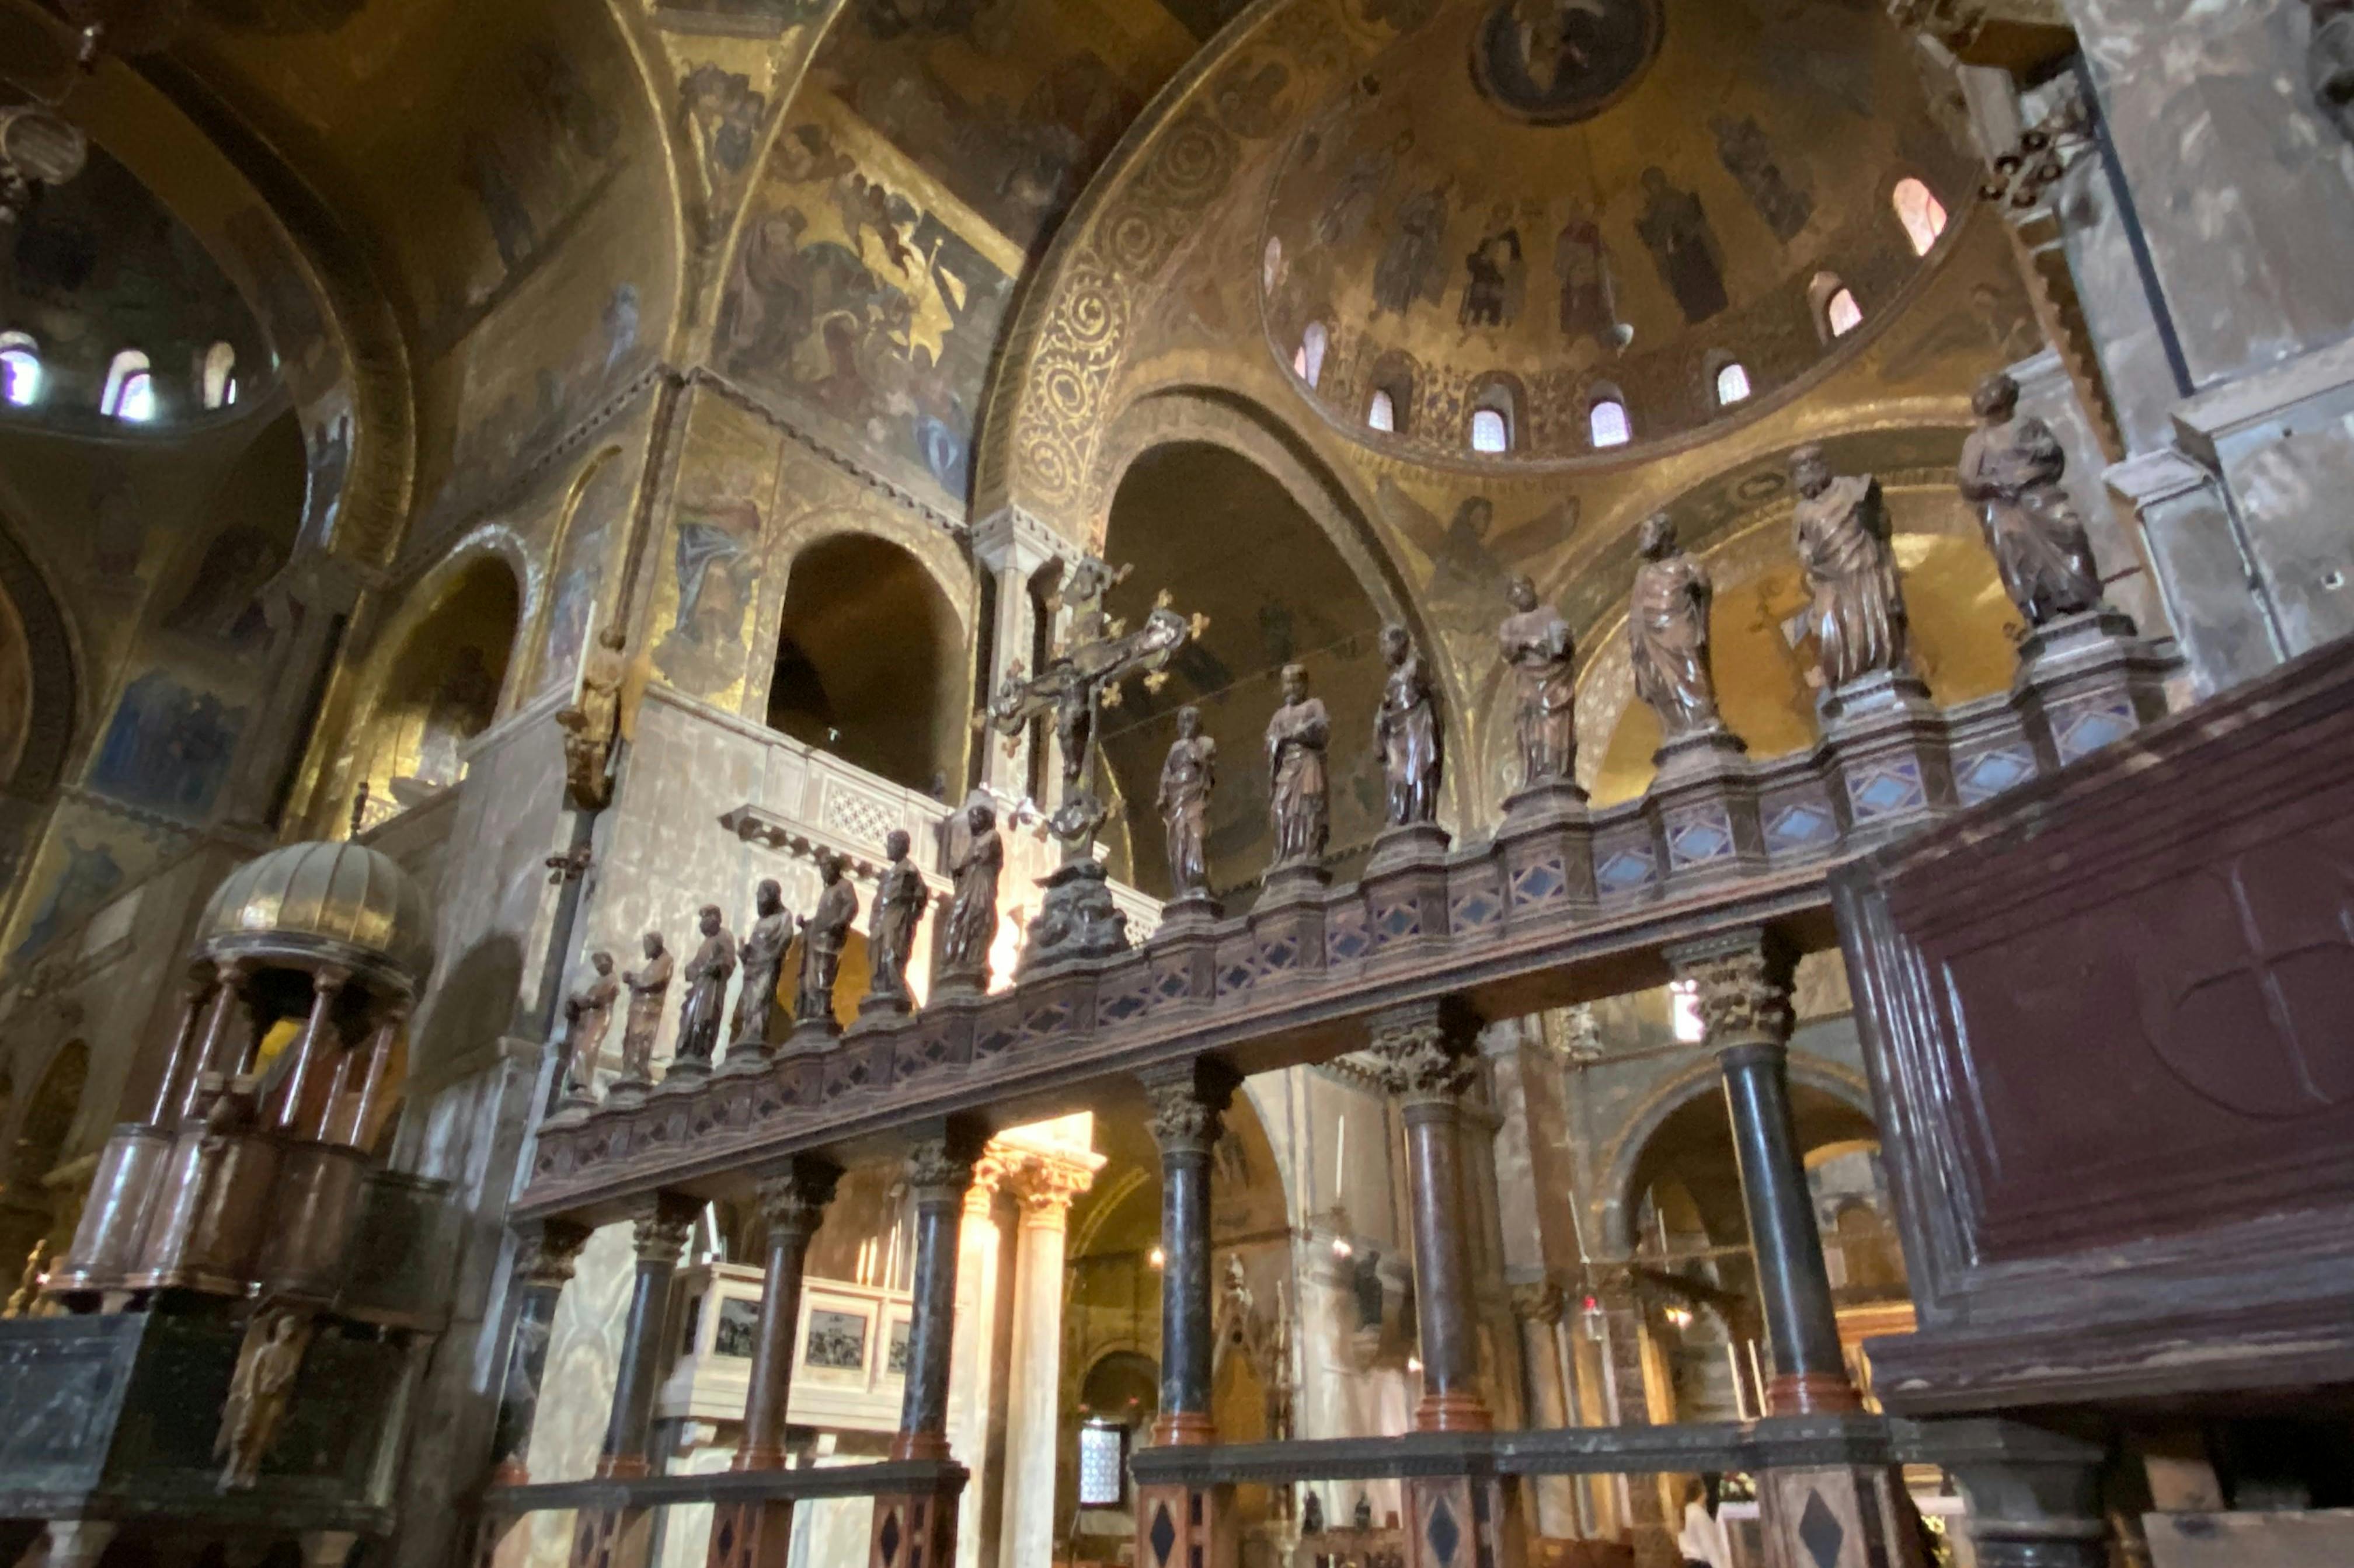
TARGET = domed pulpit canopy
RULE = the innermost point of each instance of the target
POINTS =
(308, 905)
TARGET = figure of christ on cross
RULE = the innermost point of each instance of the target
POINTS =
(1081, 679)
(1078, 917)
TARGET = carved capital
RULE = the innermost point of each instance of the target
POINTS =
(795, 1197)
(1045, 1186)
(1188, 1104)
(935, 1166)
(1741, 986)
(1421, 1055)
(546, 1252)
(1537, 1300)
(660, 1230)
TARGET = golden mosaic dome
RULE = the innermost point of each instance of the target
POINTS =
(341, 903)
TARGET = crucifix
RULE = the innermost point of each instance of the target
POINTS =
(1082, 678)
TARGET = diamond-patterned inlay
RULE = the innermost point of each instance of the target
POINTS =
(1164, 1534)
(2092, 730)
(1283, 953)
(1234, 978)
(990, 1043)
(1127, 1005)
(1819, 1532)
(1401, 920)
(1885, 790)
(1473, 909)
(1345, 937)
(1793, 826)
(1536, 884)
(1442, 1532)
(1990, 773)
(888, 1541)
(1703, 836)
(1627, 868)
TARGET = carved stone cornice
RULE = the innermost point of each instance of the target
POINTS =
(795, 1198)
(1189, 1102)
(546, 1254)
(1422, 1056)
(1742, 987)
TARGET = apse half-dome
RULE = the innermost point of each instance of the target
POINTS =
(1529, 209)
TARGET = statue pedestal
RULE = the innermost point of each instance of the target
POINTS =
(1406, 845)
(1077, 919)
(881, 1009)
(683, 1075)
(811, 1036)
(627, 1093)
(1192, 910)
(1405, 888)
(1706, 750)
(1547, 801)
(1703, 808)
(1288, 882)
(746, 1057)
(1889, 745)
(2085, 681)
(1872, 697)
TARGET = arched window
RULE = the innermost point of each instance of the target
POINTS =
(1606, 424)
(1491, 419)
(1381, 414)
(1307, 363)
(1732, 383)
(20, 369)
(1921, 213)
(1837, 311)
(220, 376)
(130, 388)
(1490, 432)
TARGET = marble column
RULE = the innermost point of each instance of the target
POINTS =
(199, 991)
(1537, 1308)
(916, 1528)
(1179, 1526)
(1043, 1186)
(544, 1259)
(1427, 1057)
(623, 1537)
(1426, 1063)
(1861, 1513)
(1743, 991)
(326, 988)
(972, 1359)
(793, 1200)
(1013, 548)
